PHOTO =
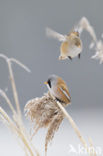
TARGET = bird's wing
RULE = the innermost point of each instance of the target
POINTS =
(54, 34)
(66, 93)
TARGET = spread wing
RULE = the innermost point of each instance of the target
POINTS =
(54, 34)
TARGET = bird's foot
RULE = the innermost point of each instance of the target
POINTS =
(79, 55)
(70, 58)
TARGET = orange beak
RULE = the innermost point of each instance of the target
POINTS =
(45, 83)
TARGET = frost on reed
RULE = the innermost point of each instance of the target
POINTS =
(96, 45)
(15, 123)
(44, 112)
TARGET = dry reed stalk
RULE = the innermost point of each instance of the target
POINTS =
(76, 129)
(74, 126)
(14, 88)
(7, 119)
(10, 124)
(91, 145)
(16, 124)
(48, 113)
(2, 93)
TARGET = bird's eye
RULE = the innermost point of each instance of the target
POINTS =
(49, 83)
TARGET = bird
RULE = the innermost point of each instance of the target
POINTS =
(71, 44)
(58, 89)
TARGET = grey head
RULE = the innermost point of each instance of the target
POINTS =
(52, 80)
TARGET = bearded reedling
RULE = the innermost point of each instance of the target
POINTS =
(58, 89)
(71, 45)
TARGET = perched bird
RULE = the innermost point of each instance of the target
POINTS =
(71, 45)
(58, 88)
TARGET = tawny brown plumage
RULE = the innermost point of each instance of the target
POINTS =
(71, 45)
(58, 89)
(61, 84)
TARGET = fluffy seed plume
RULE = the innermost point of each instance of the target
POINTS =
(44, 112)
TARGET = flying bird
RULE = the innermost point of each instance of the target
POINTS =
(71, 44)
